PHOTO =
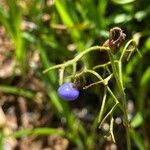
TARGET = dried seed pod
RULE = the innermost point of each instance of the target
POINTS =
(116, 36)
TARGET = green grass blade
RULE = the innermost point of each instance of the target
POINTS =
(37, 132)
(16, 91)
(137, 139)
(67, 20)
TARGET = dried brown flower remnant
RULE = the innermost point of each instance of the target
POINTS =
(116, 36)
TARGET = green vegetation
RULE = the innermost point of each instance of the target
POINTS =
(55, 41)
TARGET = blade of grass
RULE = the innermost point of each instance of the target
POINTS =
(38, 132)
(137, 139)
(50, 80)
(4, 15)
(101, 8)
(16, 91)
(67, 20)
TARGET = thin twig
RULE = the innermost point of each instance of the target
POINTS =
(78, 57)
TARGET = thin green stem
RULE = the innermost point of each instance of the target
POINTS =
(116, 72)
(131, 50)
(114, 97)
(103, 105)
(98, 82)
(125, 48)
(97, 75)
(74, 69)
(120, 72)
(108, 114)
(111, 129)
(104, 65)
(77, 58)
(127, 126)
(36, 132)
(61, 76)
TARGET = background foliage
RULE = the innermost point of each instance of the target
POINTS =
(36, 34)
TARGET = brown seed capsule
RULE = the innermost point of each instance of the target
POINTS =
(116, 36)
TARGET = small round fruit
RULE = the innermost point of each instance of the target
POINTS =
(68, 91)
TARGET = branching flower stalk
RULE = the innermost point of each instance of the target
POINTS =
(118, 78)
(117, 72)
(78, 57)
(111, 46)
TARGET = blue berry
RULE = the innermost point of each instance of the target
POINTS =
(68, 91)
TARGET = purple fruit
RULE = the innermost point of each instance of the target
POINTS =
(68, 91)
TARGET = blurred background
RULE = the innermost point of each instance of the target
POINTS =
(37, 34)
